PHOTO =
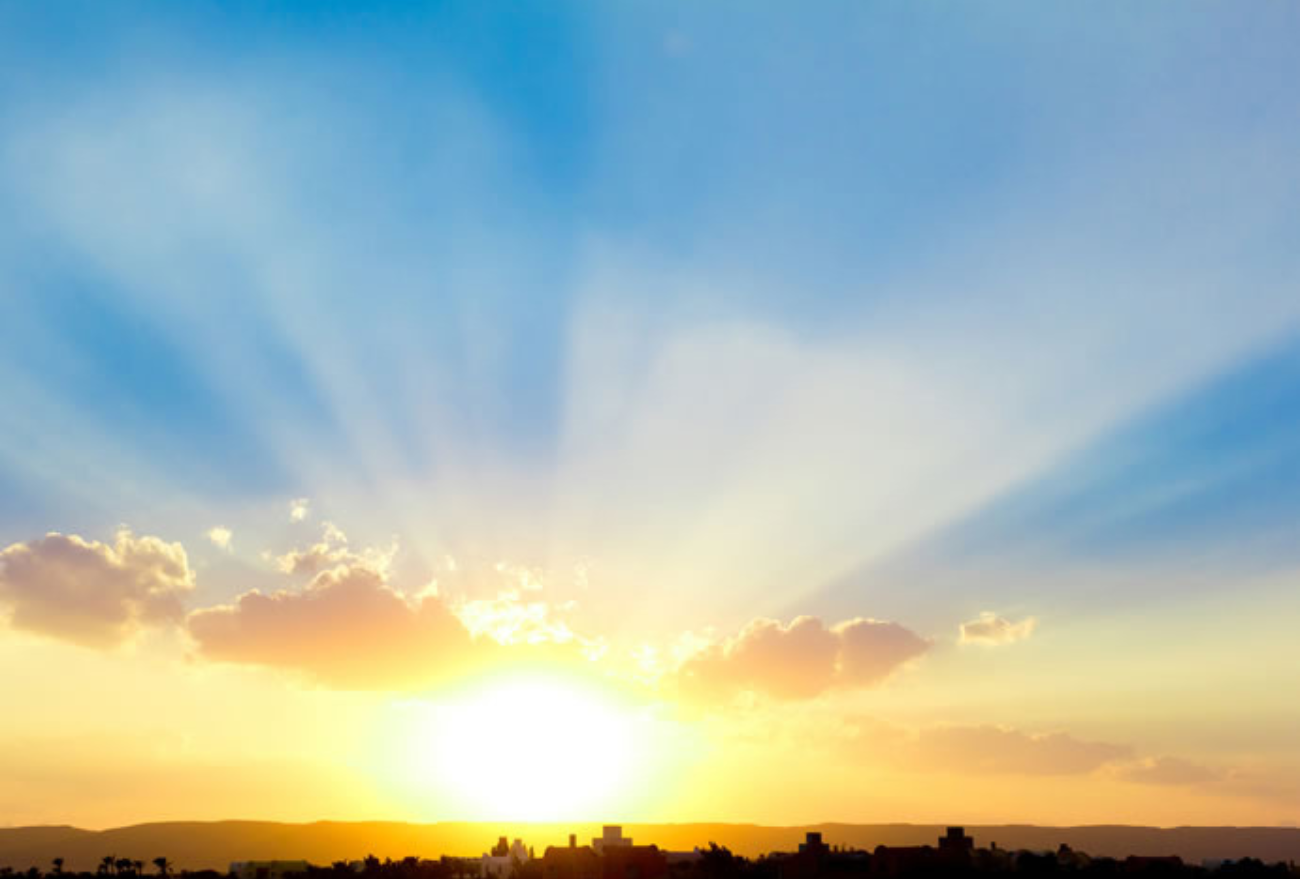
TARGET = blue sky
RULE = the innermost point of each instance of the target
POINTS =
(918, 380)
(261, 253)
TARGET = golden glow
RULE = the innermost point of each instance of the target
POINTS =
(527, 747)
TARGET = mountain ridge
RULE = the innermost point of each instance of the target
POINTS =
(214, 844)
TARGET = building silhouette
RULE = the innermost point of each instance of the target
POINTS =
(503, 860)
(611, 836)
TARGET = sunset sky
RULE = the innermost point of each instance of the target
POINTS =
(650, 412)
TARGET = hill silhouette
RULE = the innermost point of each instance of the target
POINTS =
(213, 845)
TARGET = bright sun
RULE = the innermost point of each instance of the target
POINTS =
(528, 748)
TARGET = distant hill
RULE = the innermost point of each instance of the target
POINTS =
(198, 845)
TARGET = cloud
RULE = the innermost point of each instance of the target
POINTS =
(508, 619)
(91, 593)
(996, 750)
(1168, 771)
(991, 630)
(871, 650)
(972, 750)
(220, 536)
(347, 628)
(332, 550)
(299, 508)
(799, 661)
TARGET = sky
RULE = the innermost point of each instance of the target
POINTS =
(676, 411)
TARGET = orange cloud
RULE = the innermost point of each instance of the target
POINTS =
(996, 750)
(799, 661)
(346, 628)
(966, 749)
(91, 593)
(349, 629)
(979, 749)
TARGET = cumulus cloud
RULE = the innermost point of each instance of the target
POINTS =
(347, 628)
(299, 508)
(93, 593)
(220, 536)
(1168, 771)
(800, 660)
(996, 750)
(991, 630)
(330, 551)
(509, 619)
(350, 627)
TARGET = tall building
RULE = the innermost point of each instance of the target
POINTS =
(611, 836)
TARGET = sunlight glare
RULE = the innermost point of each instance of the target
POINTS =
(528, 748)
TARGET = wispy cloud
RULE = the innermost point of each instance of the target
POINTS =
(996, 750)
(1168, 770)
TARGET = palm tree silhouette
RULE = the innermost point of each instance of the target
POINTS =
(107, 864)
(58, 866)
(164, 867)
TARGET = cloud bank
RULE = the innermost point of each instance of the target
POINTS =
(1168, 771)
(996, 750)
(91, 593)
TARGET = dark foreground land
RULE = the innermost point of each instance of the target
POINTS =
(194, 846)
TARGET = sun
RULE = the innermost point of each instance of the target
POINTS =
(528, 748)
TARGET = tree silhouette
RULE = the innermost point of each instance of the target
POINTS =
(106, 865)
(164, 867)
(58, 866)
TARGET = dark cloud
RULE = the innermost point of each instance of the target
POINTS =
(92, 593)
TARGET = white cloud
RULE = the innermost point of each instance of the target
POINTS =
(991, 630)
(299, 509)
(220, 536)
(331, 550)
